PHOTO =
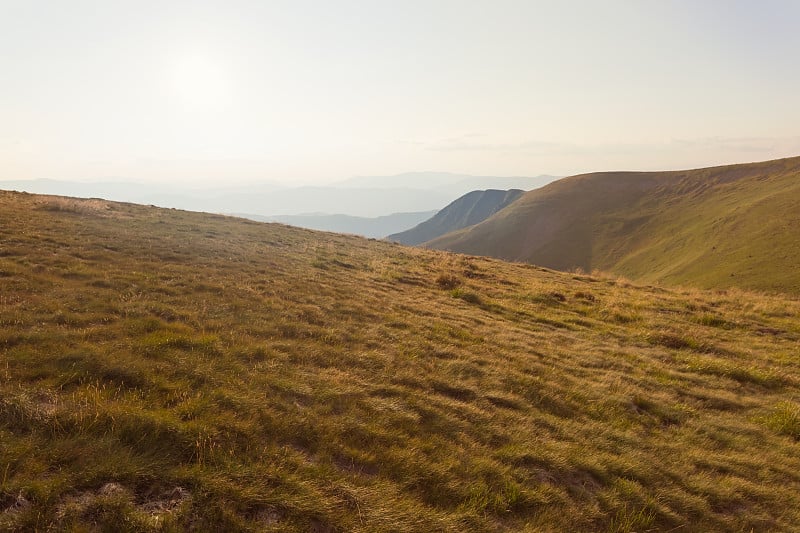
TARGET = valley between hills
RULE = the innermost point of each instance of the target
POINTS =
(165, 370)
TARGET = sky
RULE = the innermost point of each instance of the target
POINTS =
(302, 92)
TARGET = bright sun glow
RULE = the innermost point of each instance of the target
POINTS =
(199, 83)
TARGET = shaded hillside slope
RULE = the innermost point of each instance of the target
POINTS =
(163, 370)
(735, 225)
(470, 209)
(376, 227)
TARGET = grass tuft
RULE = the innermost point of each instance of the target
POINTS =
(467, 296)
(785, 419)
(447, 281)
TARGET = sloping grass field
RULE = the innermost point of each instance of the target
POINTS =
(718, 227)
(162, 370)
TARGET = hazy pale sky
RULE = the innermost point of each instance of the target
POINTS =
(301, 91)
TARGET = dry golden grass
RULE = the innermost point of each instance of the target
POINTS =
(163, 370)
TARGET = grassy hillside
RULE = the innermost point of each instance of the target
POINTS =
(163, 370)
(718, 227)
(470, 209)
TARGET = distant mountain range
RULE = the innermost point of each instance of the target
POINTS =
(736, 225)
(376, 227)
(472, 208)
(360, 197)
(453, 184)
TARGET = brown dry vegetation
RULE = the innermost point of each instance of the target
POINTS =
(163, 370)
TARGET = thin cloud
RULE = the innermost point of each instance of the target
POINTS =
(739, 144)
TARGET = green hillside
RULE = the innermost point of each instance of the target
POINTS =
(162, 370)
(718, 227)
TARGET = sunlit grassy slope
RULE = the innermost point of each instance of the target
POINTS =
(736, 225)
(166, 370)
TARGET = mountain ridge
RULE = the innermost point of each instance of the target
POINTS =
(712, 227)
(467, 210)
